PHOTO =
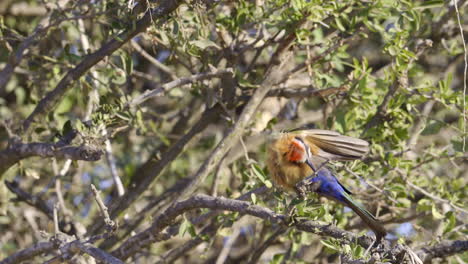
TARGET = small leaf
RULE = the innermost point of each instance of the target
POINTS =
(67, 127)
(186, 227)
(432, 128)
(329, 244)
(254, 198)
(449, 222)
(435, 213)
(205, 43)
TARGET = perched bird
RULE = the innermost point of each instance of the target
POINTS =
(296, 155)
(330, 187)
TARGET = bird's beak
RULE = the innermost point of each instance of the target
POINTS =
(308, 162)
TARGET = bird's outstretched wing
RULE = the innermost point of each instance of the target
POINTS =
(332, 145)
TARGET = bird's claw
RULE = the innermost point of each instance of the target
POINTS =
(301, 189)
(304, 187)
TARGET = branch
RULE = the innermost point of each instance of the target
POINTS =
(18, 151)
(391, 252)
(401, 82)
(179, 82)
(442, 250)
(260, 249)
(148, 172)
(77, 247)
(152, 60)
(135, 243)
(271, 77)
(32, 200)
(111, 225)
(97, 253)
(67, 245)
(307, 91)
(53, 97)
(28, 253)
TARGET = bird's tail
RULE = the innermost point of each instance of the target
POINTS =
(366, 216)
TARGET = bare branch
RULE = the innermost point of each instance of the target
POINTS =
(32, 200)
(307, 91)
(149, 171)
(97, 253)
(28, 253)
(152, 60)
(444, 249)
(142, 239)
(111, 225)
(257, 253)
(179, 82)
(18, 151)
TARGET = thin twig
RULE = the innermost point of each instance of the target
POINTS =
(153, 61)
(111, 225)
(436, 198)
(229, 243)
(257, 253)
(176, 83)
(112, 164)
(33, 200)
(465, 70)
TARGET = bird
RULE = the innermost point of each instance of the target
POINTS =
(331, 188)
(303, 154)
(294, 155)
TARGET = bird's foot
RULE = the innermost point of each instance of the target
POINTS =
(301, 190)
(303, 187)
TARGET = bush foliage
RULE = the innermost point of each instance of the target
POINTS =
(156, 101)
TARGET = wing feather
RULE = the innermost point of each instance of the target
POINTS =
(334, 146)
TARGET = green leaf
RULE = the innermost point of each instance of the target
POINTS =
(429, 4)
(435, 213)
(205, 43)
(254, 198)
(330, 244)
(339, 25)
(186, 227)
(261, 175)
(449, 222)
(432, 128)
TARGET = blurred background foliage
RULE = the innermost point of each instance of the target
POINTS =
(396, 66)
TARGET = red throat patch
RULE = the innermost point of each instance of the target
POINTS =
(296, 152)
